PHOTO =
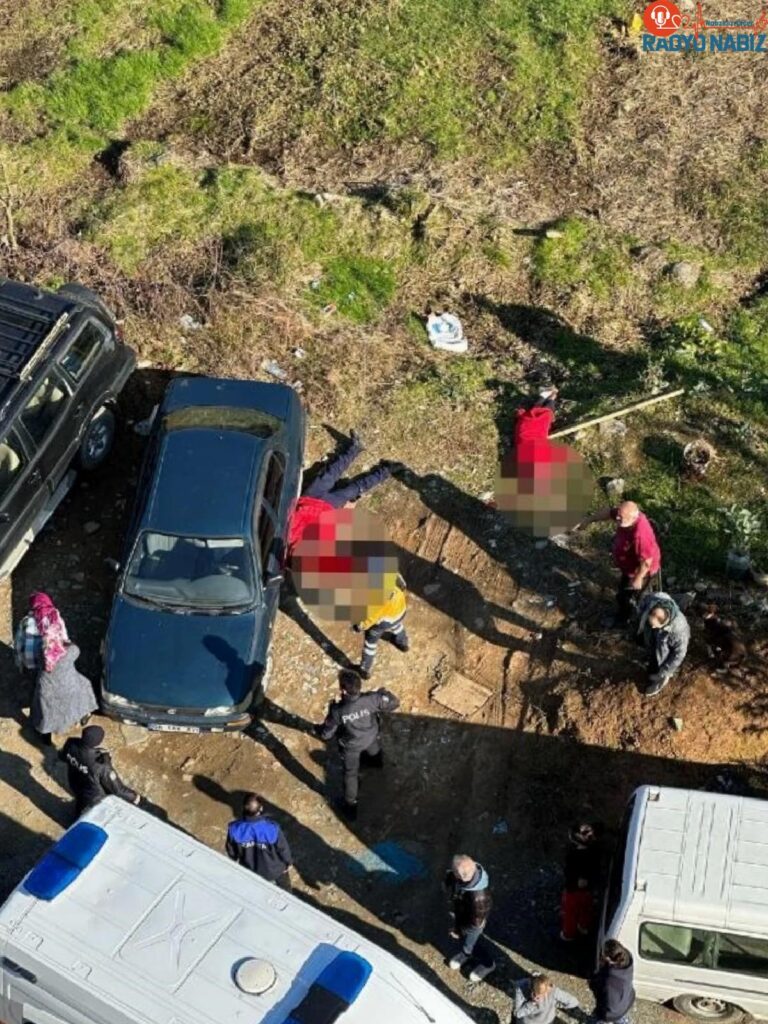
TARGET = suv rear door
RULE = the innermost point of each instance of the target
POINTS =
(23, 491)
(42, 422)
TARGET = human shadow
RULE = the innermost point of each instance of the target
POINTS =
(267, 738)
(591, 368)
(321, 865)
(16, 771)
(291, 606)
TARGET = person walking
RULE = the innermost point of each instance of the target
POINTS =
(355, 721)
(387, 622)
(91, 775)
(257, 843)
(665, 634)
(62, 696)
(324, 492)
(636, 554)
(612, 985)
(582, 875)
(538, 999)
(468, 889)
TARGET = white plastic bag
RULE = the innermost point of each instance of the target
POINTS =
(445, 332)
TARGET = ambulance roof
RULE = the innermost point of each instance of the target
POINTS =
(702, 858)
(155, 924)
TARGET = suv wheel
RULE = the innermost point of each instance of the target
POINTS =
(97, 440)
(707, 1008)
(80, 293)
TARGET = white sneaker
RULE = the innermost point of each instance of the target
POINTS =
(457, 960)
(478, 973)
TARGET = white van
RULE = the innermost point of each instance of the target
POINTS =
(688, 896)
(129, 921)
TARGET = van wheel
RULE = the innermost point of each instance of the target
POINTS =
(707, 1008)
(80, 293)
(98, 439)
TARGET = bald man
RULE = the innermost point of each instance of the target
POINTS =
(636, 554)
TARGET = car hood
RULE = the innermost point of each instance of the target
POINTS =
(180, 661)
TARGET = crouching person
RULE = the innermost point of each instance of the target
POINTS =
(468, 888)
(665, 634)
(537, 1000)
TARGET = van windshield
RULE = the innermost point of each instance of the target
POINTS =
(206, 574)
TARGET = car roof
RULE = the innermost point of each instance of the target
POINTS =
(275, 399)
(30, 322)
(154, 923)
(203, 483)
(702, 858)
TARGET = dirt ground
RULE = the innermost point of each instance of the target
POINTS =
(559, 730)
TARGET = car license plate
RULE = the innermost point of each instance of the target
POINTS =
(163, 727)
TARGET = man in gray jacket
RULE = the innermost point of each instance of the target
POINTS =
(665, 634)
(538, 1000)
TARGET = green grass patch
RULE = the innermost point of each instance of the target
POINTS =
(738, 206)
(585, 255)
(357, 286)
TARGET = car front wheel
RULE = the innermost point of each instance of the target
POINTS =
(707, 1008)
(98, 439)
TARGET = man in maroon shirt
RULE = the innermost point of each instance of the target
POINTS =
(635, 551)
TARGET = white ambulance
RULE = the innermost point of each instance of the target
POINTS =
(688, 896)
(128, 921)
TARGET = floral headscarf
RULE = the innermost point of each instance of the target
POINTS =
(51, 628)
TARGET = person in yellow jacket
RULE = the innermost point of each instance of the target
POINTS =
(386, 622)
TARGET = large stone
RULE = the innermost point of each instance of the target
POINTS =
(685, 274)
(461, 695)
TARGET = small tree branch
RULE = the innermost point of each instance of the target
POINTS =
(7, 202)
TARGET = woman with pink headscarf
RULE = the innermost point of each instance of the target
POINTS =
(63, 696)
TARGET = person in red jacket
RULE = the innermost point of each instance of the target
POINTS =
(543, 486)
(324, 493)
(636, 554)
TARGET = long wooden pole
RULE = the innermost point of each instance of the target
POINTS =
(619, 412)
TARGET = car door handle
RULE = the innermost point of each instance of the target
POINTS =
(35, 476)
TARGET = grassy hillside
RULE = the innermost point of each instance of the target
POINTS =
(309, 183)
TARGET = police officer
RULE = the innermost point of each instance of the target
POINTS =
(91, 775)
(354, 720)
(258, 843)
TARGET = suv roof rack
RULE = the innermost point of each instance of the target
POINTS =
(27, 332)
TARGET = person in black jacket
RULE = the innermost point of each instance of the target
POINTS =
(612, 985)
(354, 720)
(469, 891)
(583, 863)
(257, 843)
(91, 775)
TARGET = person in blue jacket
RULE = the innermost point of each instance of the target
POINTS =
(257, 843)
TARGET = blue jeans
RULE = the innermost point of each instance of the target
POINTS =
(474, 945)
(324, 484)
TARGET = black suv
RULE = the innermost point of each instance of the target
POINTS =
(62, 365)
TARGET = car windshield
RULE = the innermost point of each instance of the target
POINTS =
(206, 574)
(223, 417)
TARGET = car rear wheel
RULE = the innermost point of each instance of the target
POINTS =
(707, 1008)
(98, 439)
(80, 293)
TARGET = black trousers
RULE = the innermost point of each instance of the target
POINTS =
(350, 760)
(325, 483)
(627, 598)
(284, 881)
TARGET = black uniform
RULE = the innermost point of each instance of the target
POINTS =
(258, 844)
(91, 775)
(355, 721)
